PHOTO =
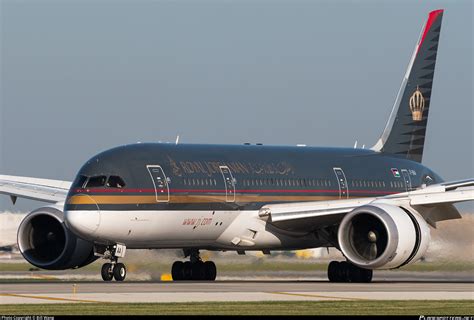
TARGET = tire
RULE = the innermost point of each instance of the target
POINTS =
(210, 271)
(332, 271)
(187, 271)
(120, 272)
(366, 275)
(345, 272)
(198, 271)
(177, 271)
(106, 273)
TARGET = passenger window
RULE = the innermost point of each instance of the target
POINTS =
(97, 181)
(115, 182)
(80, 181)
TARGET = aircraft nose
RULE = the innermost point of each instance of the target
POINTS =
(84, 219)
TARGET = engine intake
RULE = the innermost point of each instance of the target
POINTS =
(46, 242)
(382, 236)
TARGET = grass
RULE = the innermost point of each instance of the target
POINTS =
(259, 266)
(415, 307)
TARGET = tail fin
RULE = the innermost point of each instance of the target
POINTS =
(405, 131)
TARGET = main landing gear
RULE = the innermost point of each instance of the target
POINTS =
(114, 269)
(346, 272)
(195, 269)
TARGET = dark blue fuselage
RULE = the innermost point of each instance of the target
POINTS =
(238, 177)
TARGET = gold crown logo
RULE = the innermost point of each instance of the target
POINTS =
(417, 105)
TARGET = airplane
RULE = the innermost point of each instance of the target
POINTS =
(375, 205)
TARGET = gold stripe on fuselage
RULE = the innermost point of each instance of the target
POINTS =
(135, 199)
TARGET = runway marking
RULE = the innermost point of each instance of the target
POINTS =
(315, 296)
(49, 298)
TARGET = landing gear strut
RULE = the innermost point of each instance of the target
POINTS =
(114, 269)
(347, 272)
(195, 269)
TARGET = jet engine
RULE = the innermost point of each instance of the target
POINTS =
(46, 242)
(382, 236)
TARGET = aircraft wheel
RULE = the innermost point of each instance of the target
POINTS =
(365, 275)
(106, 272)
(120, 272)
(332, 271)
(198, 271)
(347, 272)
(210, 270)
(177, 271)
(187, 270)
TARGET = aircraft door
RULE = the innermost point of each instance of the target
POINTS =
(342, 182)
(229, 183)
(407, 179)
(160, 183)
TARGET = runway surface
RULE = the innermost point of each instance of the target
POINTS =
(100, 292)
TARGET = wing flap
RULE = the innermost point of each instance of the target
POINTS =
(453, 196)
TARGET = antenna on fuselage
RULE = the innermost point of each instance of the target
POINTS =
(177, 139)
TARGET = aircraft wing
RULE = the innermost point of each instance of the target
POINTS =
(434, 203)
(33, 188)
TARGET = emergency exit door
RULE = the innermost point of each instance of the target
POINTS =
(342, 182)
(160, 183)
(407, 178)
(229, 183)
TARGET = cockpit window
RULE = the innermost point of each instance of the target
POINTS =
(115, 182)
(97, 181)
(79, 183)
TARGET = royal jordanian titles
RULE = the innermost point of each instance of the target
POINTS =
(375, 205)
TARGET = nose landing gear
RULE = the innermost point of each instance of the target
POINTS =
(114, 269)
(195, 269)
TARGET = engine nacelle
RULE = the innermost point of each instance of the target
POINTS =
(46, 242)
(382, 236)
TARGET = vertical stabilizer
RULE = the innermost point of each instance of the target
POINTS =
(404, 134)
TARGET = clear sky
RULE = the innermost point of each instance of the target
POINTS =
(78, 77)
